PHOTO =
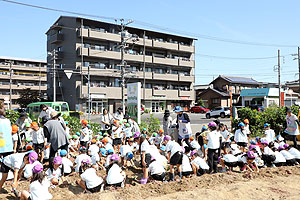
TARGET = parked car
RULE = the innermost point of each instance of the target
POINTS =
(199, 109)
(218, 112)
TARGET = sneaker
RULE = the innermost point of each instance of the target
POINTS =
(223, 170)
(265, 166)
(273, 165)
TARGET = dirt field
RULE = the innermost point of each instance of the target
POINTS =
(270, 183)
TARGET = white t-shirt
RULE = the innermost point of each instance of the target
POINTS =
(80, 158)
(46, 113)
(107, 161)
(156, 168)
(195, 145)
(28, 134)
(240, 136)
(39, 191)
(225, 134)
(268, 151)
(200, 162)
(116, 132)
(108, 146)
(14, 161)
(114, 175)
(95, 158)
(234, 149)
(270, 135)
(28, 169)
(85, 138)
(186, 165)
(93, 149)
(127, 131)
(279, 157)
(38, 136)
(247, 129)
(14, 138)
(53, 173)
(173, 147)
(124, 149)
(145, 147)
(158, 139)
(230, 158)
(90, 178)
(287, 155)
(67, 165)
(213, 140)
(294, 152)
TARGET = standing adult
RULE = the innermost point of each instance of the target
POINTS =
(56, 135)
(167, 121)
(105, 120)
(183, 126)
(119, 115)
(6, 144)
(45, 111)
(292, 123)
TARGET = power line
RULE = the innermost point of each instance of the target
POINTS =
(146, 24)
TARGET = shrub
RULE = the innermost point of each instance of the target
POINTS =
(12, 116)
(152, 124)
(275, 116)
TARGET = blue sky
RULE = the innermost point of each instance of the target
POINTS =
(270, 21)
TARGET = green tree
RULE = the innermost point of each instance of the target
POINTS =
(200, 102)
(28, 96)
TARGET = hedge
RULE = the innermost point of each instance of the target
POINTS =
(275, 116)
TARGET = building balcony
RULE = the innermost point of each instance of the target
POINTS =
(56, 38)
(186, 63)
(138, 58)
(14, 96)
(166, 77)
(165, 45)
(22, 87)
(186, 78)
(187, 48)
(165, 61)
(140, 74)
(26, 78)
(148, 93)
(82, 32)
(183, 93)
(148, 42)
(172, 94)
(104, 36)
(159, 92)
(104, 92)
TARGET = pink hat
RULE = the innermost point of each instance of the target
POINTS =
(167, 137)
(137, 134)
(152, 158)
(212, 124)
(32, 157)
(57, 160)
(252, 147)
(114, 157)
(193, 152)
(285, 146)
(250, 154)
(85, 161)
(37, 168)
(265, 142)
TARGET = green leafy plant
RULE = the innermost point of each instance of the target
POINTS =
(275, 116)
(12, 116)
(152, 124)
(200, 102)
(147, 110)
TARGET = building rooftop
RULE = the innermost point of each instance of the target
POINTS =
(22, 59)
(148, 30)
(238, 80)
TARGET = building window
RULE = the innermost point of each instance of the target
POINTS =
(59, 49)
(86, 64)
(215, 101)
(60, 66)
(85, 45)
(100, 65)
(148, 85)
(148, 69)
(117, 82)
(48, 37)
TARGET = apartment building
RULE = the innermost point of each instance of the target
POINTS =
(23, 74)
(83, 44)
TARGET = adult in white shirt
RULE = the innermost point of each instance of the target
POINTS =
(269, 133)
(214, 139)
(105, 121)
(174, 156)
(119, 115)
(240, 137)
(45, 111)
(292, 123)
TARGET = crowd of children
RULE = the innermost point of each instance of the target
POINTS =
(159, 157)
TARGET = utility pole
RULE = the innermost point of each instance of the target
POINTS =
(279, 87)
(123, 63)
(40, 93)
(54, 75)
